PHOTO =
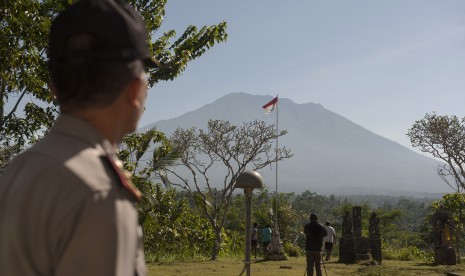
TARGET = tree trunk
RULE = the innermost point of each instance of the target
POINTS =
(458, 233)
(2, 106)
(217, 245)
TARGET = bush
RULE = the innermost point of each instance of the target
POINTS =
(410, 253)
(233, 245)
(173, 231)
(292, 250)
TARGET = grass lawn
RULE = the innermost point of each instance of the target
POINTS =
(296, 266)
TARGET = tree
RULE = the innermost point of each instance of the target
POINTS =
(444, 138)
(170, 226)
(327, 208)
(173, 229)
(227, 147)
(290, 223)
(27, 109)
(144, 169)
(262, 207)
(23, 74)
(454, 203)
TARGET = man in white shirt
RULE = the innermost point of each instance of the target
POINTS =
(329, 240)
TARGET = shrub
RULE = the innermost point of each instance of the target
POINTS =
(233, 245)
(409, 253)
(172, 231)
(292, 250)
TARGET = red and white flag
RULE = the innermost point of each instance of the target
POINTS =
(271, 105)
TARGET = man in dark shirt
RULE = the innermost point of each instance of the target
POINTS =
(314, 232)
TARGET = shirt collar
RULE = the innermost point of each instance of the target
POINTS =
(79, 128)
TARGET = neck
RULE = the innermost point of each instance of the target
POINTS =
(108, 122)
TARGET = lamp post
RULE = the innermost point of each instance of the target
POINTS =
(248, 180)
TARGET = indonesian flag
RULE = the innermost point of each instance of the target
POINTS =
(271, 105)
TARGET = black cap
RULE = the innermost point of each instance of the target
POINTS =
(119, 31)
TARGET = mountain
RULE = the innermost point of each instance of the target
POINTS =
(332, 155)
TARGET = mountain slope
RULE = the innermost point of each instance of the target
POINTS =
(331, 153)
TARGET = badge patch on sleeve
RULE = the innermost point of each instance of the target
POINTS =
(124, 177)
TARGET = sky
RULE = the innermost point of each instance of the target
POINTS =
(382, 64)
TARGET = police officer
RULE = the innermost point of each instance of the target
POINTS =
(66, 207)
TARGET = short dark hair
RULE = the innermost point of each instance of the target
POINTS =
(328, 223)
(313, 217)
(83, 83)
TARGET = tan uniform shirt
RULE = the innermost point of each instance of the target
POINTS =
(63, 210)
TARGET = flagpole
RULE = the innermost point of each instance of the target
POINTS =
(276, 167)
(276, 253)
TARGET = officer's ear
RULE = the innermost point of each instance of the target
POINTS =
(136, 92)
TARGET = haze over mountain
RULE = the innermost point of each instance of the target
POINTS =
(332, 155)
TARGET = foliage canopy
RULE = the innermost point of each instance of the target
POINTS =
(27, 109)
(444, 138)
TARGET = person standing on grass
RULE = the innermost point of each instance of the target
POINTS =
(66, 205)
(254, 241)
(266, 240)
(329, 240)
(314, 232)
